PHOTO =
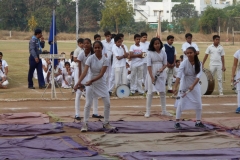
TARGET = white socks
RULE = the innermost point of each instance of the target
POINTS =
(148, 105)
(77, 102)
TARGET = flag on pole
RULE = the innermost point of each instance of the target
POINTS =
(52, 41)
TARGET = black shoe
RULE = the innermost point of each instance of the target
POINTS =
(42, 87)
(97, 116)
(31, 87)
(200, 125)
(77, 118)
(177, 126)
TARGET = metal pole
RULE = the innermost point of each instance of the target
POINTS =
(159, 26)
(53, 91)
(77, 20)
(219, 26)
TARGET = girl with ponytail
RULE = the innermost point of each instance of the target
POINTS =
(190, 71)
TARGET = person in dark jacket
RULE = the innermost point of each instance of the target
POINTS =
(35, 48)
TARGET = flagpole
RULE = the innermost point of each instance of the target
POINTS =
(53, 91)
(77, 20)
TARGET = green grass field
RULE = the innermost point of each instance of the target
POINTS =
(16, 54)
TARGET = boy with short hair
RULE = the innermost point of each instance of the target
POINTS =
(120, 55)
(3, 79)
(145, 46)
(187, 44)
(97, 37)
(171, 60)
(136, 55)
(4, 65)
(217, 62)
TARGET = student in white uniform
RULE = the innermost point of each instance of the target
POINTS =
(171, 60)
(175, 71)
(4, 65)
(96, 86)
(72, 63)
(46, 65)
(120, 54)
(217, 62)
(77, 51)
(190, 71)
(107, 48)
(236, 72)
(156, 62)
(145, 44)
(136, 55)
(115, 61)
(58, 74)
(188, 44)
(3, 78)
(67, 76)
(97, 37)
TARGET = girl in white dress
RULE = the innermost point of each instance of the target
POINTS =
(96, 86)
(189, 72)
(82, 58)
(156, 63)
(236, 67)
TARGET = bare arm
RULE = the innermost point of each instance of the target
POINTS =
(135, 55)
(223, 64)
(6, 70)
(204, 59)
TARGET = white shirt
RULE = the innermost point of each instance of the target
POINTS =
(77, 51)
(237, 55)
(136, 62)
(83, 58)
(118, 51)
(216, 54)
(65, 73)
(107, 49)
(4, 64)
(185, 47)
(2, 74)
(145, 46)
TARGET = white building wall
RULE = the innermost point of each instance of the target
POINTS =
(148, 12)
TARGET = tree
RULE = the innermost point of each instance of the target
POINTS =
(32, 23)
(209, 20)
(183, 10)
(116, 13)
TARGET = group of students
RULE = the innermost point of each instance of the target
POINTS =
(104, 64)
(3, 72)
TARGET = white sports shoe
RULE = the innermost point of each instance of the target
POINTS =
(108, 126)
(84, 127)
(147, 115)
(165, 113)
(221, 94)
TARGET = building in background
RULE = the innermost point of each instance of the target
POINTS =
(149, 11)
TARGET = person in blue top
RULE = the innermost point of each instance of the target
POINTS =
(171, 59)
(35, 48)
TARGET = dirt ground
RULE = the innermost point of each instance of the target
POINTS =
(212, 107)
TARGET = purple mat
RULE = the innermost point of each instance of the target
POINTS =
(235, 132)
(219, 154)
(30, 130)
(144, 127)
(40, 148)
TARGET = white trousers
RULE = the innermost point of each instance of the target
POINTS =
(137, 73)
(170, 72)
(77, 104)
(78, 96)
(198, 113)
(144, 72)
(107, 75)
(218, 70)
(88, 104)
(162, 102)
(120, 76)
(112, 80)
(68, 79)
(238, 98)
(5, 83)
